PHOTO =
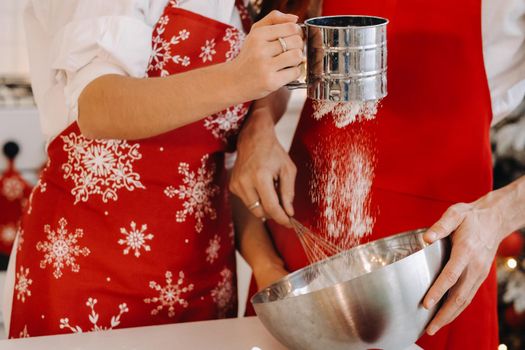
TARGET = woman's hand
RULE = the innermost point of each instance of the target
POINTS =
(261, 163)
(476, 230)
(262, 66)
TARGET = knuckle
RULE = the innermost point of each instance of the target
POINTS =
(298, 55)
(291, 28)
(460, 300)
(273, 13)
(260, 176)
(451, 276)
(297, 41)
(232, 186)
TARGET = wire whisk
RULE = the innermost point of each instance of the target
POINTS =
(315, 246)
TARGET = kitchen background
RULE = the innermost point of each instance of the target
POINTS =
(20, 131)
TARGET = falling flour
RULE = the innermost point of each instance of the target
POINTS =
(342, 170)
(345, 113)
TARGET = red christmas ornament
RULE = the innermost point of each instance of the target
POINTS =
(513, 319)
(14, 193)
(512, 245)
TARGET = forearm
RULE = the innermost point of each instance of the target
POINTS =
(128, 108)
(253, 241)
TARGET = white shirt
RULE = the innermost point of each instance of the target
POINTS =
(75, 41)
(72, 42)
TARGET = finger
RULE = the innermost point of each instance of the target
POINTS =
(283, 30)
(448, 223)
(252, 197)
(292, 42)
(457, 300)
(275, 17)
(270, 200)
(287, 188)
(290, 58)
(446, 279)
(287, 75)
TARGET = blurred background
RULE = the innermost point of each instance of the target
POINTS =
(23, 156)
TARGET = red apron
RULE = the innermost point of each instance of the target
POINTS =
(430, 138)
(134, 233)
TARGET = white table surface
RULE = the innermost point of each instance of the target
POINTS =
(232, 334)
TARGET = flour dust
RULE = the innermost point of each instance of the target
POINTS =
(343, 169)
(345, 113)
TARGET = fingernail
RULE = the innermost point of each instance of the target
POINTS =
(429, 303)
(432, 330)
(432, 236)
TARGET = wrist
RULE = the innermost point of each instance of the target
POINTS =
(510, 207)
(235, 81)
(258, 125)
(263, 266)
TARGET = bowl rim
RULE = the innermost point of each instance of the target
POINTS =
(419, 232)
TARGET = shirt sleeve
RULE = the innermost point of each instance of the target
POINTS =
(504, 52)
(95, 38)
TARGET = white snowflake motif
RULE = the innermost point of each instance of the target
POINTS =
(208, 50)
(235, 38)
(227, 122)
(212, 252)
(40, 185)
(20, 239)
(169, 295)
(22, 284)
(24, 333)
(12, 188)
(196, 192)
(94, 317)
(135, 239)
(223, 295)
(100, 167)
(161, 53)
(8, 234)
(61, 248)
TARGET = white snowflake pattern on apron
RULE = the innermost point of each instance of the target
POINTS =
(227, 122)
(223, 294)
(61, 248)
(196, 192)
(22, 284)
(169, 295)
(100, 167)
(212, 252)
(94, 318)
(235, 38)
(135, 239)
(162, 49)
(208, 51)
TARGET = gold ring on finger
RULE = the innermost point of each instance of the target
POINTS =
(255, 205)
(284, 46)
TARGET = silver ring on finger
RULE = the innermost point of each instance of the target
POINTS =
(255, 205)
(284, 46)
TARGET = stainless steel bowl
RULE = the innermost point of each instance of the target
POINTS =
(367, 297)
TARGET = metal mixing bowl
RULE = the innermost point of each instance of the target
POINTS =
(368, 297)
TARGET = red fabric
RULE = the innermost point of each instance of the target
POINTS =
(14, 193)
(430, 138)
(135, 233)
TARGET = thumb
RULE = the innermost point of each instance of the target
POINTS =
(276, 17)
(448, 223)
